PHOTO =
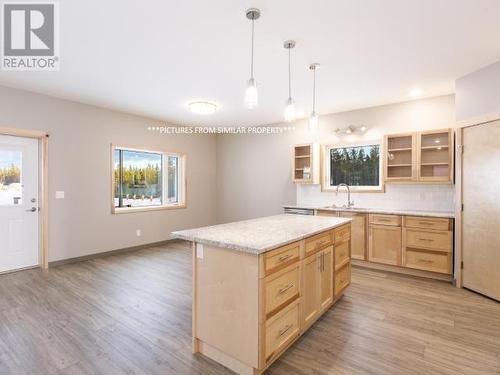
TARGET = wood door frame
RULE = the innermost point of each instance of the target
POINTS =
(43, 186)
(459, 148)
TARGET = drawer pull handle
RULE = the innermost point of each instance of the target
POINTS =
(284, 257)
(425, 223)
(425, 261)
(284, 330)
(382, 219)
(286, 288)
(426, 239)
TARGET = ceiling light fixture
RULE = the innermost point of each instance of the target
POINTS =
(351, 129)
(251, 94)
(313, 118)
(416, 92)
(202, 108)
(289, 112)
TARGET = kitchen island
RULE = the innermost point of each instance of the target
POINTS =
(259, 284)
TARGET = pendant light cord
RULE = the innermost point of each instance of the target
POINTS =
(314, 91)
(289, 76)
(251, 64)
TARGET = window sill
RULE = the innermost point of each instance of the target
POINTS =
(128, 210)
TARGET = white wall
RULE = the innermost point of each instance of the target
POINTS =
(79, 164)
(254, 172)
(478, 94)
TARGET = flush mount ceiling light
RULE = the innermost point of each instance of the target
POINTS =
(289, 112)
(313, 118)
(416, 92)
(351, 129)
(251, 94)
(202, 108)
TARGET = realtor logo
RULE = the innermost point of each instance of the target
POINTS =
(30, 36)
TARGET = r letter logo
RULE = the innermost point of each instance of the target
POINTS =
(30, 36)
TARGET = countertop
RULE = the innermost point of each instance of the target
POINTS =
(389, 211)
(257, 236)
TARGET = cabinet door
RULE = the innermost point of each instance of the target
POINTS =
(400, 163)
(310, 298)
(358, 234)
(326, 276)
(435, 156)
(385, 245)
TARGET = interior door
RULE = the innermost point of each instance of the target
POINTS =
(481, 215)
(18, 203)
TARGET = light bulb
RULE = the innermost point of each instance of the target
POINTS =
(251, 94)
(348, 130)
(313, 121)
(363, 128)
(289, 112)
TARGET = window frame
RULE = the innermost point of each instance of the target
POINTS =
(181, 181)
(325, 167)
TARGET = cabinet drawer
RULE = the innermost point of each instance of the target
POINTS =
(281, 330)
(341, 254)
(342, 234)
(380, 219)
(317, 242)
(281, 288)
(342, 278)
(441, 241)
(435, 223)
(428, 261)
(277, 259)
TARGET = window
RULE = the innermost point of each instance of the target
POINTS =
(147, 180)
(11, 191)
(358, 166)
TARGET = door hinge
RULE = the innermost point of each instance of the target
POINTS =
(462, 265)
(462, 207)
(461, 148)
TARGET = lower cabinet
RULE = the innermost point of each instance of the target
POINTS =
(318, 285)
(384, 244)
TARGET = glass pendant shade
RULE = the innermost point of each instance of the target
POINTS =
(289, 112)
(313, 121)
(251, 94)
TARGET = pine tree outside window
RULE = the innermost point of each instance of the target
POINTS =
(359, 166)
(147, 180)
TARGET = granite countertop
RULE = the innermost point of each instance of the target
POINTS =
(389, 211)
(257, 236)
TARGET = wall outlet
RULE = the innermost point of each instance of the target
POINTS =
(138, 233)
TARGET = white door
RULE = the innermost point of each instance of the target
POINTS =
(19, 212)
(481, 216)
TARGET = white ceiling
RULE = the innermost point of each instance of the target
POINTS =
(152, 57)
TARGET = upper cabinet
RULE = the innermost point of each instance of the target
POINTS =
(423, 157)
(306, 163)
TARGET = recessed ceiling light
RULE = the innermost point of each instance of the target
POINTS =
(416, 92)
(202, 108)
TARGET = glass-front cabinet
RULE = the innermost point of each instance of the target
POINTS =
(424, 157)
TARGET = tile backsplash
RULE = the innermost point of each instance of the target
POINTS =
(403, 197)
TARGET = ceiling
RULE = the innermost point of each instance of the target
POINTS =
(151, 58)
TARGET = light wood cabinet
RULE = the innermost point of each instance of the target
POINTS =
(358, 232)
(248, 309)
(423, 157)
(384, 244)
(318, 285)
(306, 163)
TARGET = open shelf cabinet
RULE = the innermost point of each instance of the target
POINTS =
(423, 157)
(306, 168)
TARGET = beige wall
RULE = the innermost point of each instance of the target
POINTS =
(478, 95)
(254, 172)
(79, 164)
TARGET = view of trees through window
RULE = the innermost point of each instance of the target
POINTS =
(138, 178)
(10, 177)
(355, 166)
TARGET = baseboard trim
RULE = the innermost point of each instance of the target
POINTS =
(105, 254)
(401, 270)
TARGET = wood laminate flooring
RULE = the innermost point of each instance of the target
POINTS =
(131, 314)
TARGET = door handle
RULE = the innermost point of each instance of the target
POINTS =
(32, 209)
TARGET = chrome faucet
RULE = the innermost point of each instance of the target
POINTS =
(349, 202)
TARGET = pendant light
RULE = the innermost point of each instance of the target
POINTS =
(251, 94)
(289, 112)
(313, 118)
